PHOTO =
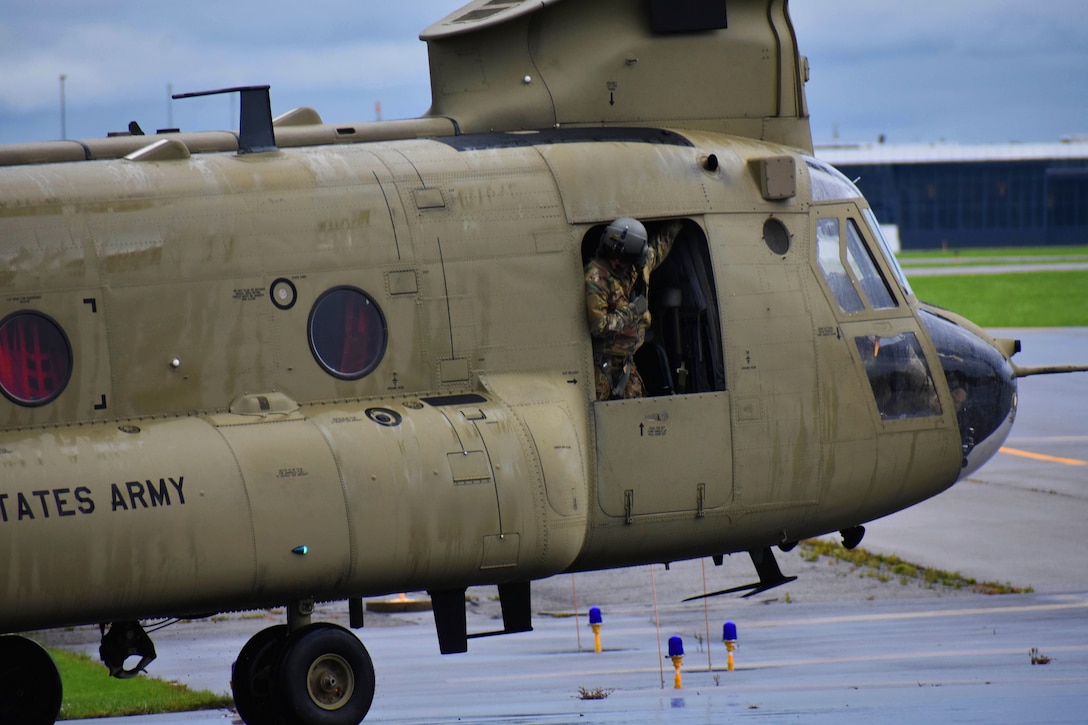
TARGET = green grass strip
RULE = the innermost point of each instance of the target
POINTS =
(90, 692)
(967, 266)
(890, 567)
(929, 254)
(1018, 299)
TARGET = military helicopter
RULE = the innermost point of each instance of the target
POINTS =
(308, 362)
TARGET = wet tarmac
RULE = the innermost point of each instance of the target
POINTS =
(1020, 518)
(835, 646)
(940, 660)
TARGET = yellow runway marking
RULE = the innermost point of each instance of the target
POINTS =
(1041, 457)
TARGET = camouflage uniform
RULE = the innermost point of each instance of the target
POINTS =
(618, 332)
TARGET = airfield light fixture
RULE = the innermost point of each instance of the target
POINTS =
(729, 637)
(676, 654)
(595, 622)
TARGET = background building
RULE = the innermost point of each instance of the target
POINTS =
(947, 195)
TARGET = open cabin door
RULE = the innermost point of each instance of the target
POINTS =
(670, 452)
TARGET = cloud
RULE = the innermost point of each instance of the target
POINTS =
(970, 69)
(860, 29)
(102, 63)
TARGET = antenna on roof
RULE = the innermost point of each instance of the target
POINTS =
(255, 133)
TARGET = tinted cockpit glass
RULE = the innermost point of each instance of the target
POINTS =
(899, 375)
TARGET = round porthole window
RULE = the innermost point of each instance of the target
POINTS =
(776, 236)
(35, 358)
(347, 332)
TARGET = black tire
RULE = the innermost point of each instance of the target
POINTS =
(253, 678)
(326, 676)
(30, 687)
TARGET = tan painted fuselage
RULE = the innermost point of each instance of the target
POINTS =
(199, 441)
(306, 361)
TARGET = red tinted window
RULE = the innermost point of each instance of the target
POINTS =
(35, 358)
(347, 332)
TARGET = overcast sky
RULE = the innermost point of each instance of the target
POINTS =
(969, 71)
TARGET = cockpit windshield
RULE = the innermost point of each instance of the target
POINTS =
(828, 183)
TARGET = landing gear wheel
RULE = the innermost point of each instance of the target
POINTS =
(30, 689)
(253, 678)
(326, 676)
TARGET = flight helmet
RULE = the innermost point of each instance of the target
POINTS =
(625, 240)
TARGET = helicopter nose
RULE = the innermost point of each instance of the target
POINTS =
(982, 384)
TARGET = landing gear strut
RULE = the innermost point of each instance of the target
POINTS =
(30, 689)
(124, 640)
(319, 674)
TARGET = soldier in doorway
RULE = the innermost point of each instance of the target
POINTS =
(617, 305)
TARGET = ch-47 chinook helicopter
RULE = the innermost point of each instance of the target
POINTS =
(308, 362)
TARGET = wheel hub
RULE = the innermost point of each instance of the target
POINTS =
(330, 682)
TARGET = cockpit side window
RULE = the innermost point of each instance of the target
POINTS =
(899, 376)
(865, 270)
(830, 261)
(850, 266)
(874, 225)
(827, 184)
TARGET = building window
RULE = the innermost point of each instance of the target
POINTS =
(35, 358)
(347, 332)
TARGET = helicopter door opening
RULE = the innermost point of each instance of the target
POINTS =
(684, 414)
(682, 353)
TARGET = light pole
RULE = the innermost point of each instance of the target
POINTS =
(63, 122)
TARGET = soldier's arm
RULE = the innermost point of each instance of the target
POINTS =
(661, 242)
